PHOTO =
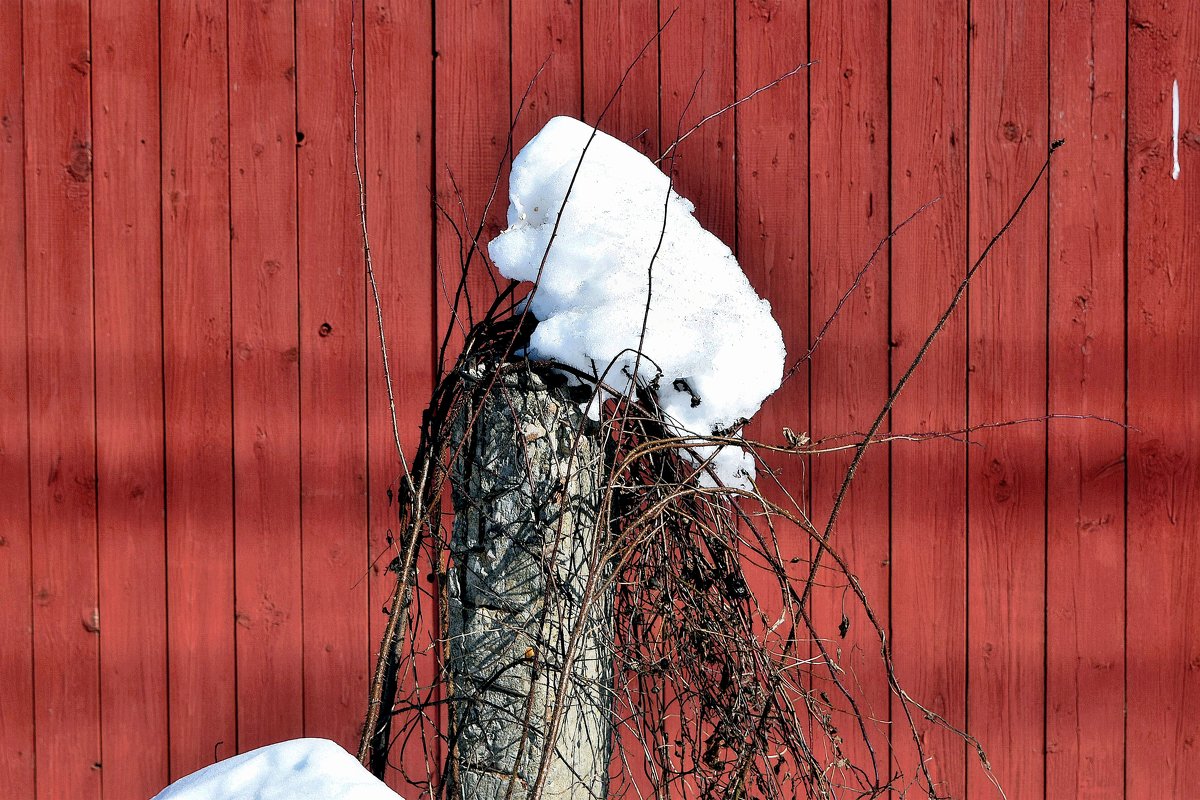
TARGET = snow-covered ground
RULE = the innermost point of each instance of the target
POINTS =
(301, 769)
(709, 339)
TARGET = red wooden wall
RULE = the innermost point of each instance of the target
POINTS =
(194, 441)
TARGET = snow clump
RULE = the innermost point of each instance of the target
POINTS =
(711, 345)
(301, 769)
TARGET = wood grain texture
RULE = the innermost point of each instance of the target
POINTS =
(216, 384)
(471, 166)
(266, 392)
(397, 125)
(62, 455)
(614, 37)
(696, 75)
(848, 191)
(928, 595)
(333, 414)
(1085, 560)
(1163, 628)
(772, 163)
(614, 34)
(1007, 381)
(17, 736)
(198, 384)
(545, 33)
(696, 79)
(129, 399)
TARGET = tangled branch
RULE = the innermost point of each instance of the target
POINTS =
(723, 685)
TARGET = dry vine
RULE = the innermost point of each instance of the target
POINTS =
(724, 686)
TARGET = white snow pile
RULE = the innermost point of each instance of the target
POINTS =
(301, 769)
(709, 340)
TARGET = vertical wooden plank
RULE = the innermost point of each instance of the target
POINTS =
(772, 247)
(1085, 606)
(1163, 570)
(546, 37)
(196, 358)
(694, 48)
(696, 75)
(929, 612)
(129, 398)
(614, 33)
(772, 163)
(772, 156)
(16, 623)
(397, 146)
(333, 419)
(62, 456)
(1007, 340)
(848, 185)
(266, 399)
(472, 103)
(472, 86)
(550, 34)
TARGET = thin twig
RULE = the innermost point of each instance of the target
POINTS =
(853, 286)
(731, 106)
(412, 540)
(362, 215)
(822, 543)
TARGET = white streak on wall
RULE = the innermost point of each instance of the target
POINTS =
(1175, 130)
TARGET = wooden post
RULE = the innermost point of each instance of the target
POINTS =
(527, 483)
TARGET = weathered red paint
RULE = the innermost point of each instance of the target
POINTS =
(195, 447)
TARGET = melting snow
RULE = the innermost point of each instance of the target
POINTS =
(301, 769)
(711, 345)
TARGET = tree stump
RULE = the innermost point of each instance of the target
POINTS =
(527, 484)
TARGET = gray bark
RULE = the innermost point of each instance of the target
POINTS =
(527, 487)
